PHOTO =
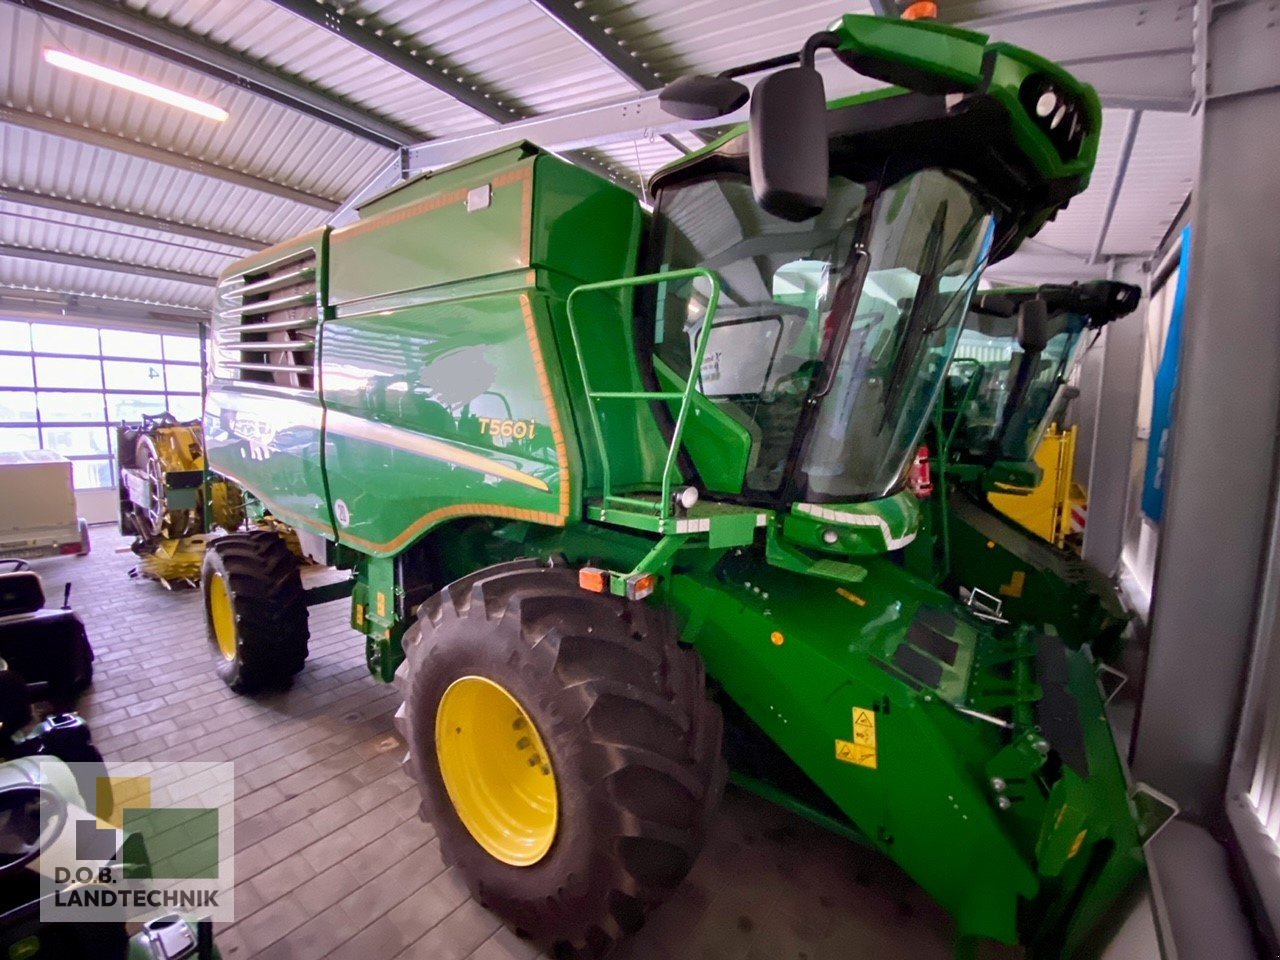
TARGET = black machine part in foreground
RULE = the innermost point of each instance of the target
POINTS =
(1102, 301)
(42, 645)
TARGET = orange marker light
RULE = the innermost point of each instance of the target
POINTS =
(921, 10)
(593, 579)
(640, 585)
(777, 639)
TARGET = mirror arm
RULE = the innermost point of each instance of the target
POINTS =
(824, 39)
(759, 66)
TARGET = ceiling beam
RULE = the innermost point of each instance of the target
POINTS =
(110, 141)
(112, 266)
(596, 38)
(624, 59)
(82, 208)
(24, 302)
(404, 55)
(130, 27)
(1117, 183)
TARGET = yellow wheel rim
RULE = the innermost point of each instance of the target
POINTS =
(223, 617)
(497, 771)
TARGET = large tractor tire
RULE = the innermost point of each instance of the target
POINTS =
(564, 748)
(255, 610)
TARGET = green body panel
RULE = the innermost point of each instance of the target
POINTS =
(442, 390)
(949, 56)
(1037, 582)
(719, 445)
(432, 378)
(855, 529)
(269, 442)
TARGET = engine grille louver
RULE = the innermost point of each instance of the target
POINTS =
(265, 330)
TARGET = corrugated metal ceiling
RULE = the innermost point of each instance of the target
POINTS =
(511, 50)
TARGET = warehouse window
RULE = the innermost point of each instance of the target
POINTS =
(64, 387)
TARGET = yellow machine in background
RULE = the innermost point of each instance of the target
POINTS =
(163, 497)
(1047, 509)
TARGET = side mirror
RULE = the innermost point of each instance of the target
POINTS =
(787, 143)
(702, 97)
(1033, 326)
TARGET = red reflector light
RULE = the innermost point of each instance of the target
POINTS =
(920, 477)
(593, 579)
(69, 549)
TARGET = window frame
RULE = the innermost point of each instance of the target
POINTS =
(165, 397)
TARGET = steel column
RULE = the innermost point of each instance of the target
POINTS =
(1114, 421)
(1226, 416)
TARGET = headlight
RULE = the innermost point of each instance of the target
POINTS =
(1058, 113)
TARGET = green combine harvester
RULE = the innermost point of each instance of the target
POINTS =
(576, 454)
(1006, 385)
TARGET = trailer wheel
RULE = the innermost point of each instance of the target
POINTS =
(564, 748)
(255, 610)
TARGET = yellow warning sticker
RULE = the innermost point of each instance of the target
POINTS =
(1077, 844)
(861, 750)
(1016, 582)
(851, 596)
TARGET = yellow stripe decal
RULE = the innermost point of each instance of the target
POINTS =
(544, 383)
(398, 438)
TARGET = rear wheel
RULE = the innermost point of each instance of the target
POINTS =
(564, 748)
(255, 610)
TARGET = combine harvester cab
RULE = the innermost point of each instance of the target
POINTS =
(1005, 390)
(571, 454)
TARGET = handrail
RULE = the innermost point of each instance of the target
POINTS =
(944, 451)
(685, 396)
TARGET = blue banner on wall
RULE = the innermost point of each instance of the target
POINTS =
(1166, 385)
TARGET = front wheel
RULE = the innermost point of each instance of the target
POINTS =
(255, 610)
(564, 748)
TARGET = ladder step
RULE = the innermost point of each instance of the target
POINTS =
(646, 395)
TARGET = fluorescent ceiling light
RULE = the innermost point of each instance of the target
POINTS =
(124, 81)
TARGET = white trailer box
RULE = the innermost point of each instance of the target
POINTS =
(38, 506)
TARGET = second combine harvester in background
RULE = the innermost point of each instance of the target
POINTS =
(1005, 390)
(573, 452)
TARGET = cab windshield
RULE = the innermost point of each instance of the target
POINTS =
(989, 351)
(832, 335)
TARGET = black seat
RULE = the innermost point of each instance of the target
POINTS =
(20, 593)
(42, 646)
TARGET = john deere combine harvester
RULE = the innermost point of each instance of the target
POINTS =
(1006, 386)
(572, 453)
